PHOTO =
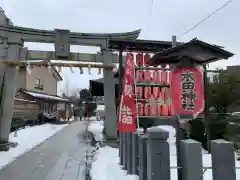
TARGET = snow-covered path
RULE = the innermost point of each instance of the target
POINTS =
(59, 157)
(27, 139)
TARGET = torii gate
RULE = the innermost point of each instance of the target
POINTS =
(12, 39)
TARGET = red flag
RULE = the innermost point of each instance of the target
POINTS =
(140, 76)
(153, 110)
(163, 76)
(147, 92)
(164, 110)
(139, 92)
(171, 112)
(147, 75)
(156, 92)
(146, 59)
(140, 108)
(139, 59)
(127, 113)
(147, 109)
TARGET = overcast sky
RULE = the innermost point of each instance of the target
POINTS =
(166, 18)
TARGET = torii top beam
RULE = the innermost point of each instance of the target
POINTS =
(60, 37)
(48, 36)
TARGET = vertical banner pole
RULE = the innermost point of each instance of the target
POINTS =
(135, 95)
(207, 128)
(178, 132)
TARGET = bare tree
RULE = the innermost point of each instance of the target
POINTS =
(70, 92)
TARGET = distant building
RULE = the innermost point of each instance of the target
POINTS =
(37, 92)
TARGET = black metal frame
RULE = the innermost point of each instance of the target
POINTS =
(139, 45)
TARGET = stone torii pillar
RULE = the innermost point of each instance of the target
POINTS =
(8, 85)
(10, 49)
(109, 97)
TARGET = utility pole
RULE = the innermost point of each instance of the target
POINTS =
(207, 128)
(178, 132)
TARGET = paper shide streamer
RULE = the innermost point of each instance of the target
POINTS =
(29, 68)
(71, 69)
(81, 70)
(89, 69)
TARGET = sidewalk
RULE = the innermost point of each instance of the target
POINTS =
(59, 158)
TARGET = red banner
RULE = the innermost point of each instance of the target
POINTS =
(187, 91)
(127, 113)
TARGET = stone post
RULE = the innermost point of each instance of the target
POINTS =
(9, 87)
(135, 153)
(143, 157)
(129, 152)
(109, 97)
(158, 157)
(191, 158)
(223, 160)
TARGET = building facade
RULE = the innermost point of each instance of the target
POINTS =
(37, 92)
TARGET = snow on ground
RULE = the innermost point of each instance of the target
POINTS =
(96, 127)
(27, 139)
(106, 166)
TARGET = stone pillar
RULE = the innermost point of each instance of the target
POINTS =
(143, 157)
(3, 55)
(124, 134)
(129, 152)
(109, 97)
(223, 160)
(158, 157)
(191, 158)
(135, 153)
(9, 87)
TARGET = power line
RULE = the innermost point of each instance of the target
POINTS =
(150, 7)
(206, 18)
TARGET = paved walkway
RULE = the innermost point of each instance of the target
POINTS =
(59, 158)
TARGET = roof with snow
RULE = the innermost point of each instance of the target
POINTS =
(43, 96)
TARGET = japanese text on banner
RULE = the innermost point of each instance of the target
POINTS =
(127, 114)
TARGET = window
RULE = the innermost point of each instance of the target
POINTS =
(45, 107)
(38, 84)
(37, 81)
(42, 107)
(50, 108)
(54, 107)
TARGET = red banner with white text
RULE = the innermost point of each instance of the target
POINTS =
(127, 112)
